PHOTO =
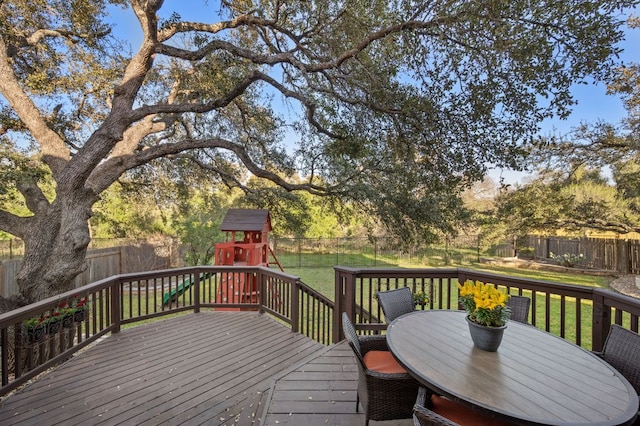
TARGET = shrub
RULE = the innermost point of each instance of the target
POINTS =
(568, 259)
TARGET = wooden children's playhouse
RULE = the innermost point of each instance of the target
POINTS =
(247, 244)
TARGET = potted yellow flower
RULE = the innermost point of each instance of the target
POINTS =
(487, 311)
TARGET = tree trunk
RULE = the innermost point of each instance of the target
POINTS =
(55, 249)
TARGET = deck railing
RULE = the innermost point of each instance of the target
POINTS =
(579, 314)
(582, 315)
(120, 300)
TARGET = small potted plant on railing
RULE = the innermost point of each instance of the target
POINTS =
(73, 311)
(420, 298)
(66, 311)
(54, 322)
(81, 307)
(35, 328)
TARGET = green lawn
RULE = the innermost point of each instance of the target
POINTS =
(322, 279)
(558, 277)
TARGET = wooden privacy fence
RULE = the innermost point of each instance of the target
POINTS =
(622, 255)
(101, 263)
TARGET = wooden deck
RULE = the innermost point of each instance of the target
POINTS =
(213, 368)
(319, 392)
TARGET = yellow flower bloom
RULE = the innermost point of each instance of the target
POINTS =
(484, 303)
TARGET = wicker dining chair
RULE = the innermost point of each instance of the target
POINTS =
(395, 303)
(384, 395)
(622, 351)
(519, 306)
(422, 416)
(434, 410)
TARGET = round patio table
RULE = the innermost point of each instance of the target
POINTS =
(533, 378)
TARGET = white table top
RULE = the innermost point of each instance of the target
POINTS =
(533, 378)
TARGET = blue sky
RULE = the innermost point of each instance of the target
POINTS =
(594, 104)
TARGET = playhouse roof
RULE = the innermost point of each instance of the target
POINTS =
(246, 220)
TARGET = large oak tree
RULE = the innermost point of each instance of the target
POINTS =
(392, 103)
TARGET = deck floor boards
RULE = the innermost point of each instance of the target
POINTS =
(211, 368)
(320, 392)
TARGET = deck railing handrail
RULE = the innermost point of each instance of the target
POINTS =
(580, 309)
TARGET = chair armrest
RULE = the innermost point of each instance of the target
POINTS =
(394, 377)
(373, 343)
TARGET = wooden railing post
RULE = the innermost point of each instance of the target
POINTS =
(295, 306)
(262, 280)
(116, 308)
(196, 292)
(345, 300)
(4, 349)
(601, 321)
(338, 300)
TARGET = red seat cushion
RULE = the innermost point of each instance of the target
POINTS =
(382, 362)
(461, 414)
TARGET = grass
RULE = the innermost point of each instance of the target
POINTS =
(557, 277)
(322, 279)
(369, 256)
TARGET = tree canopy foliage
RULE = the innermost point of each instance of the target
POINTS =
(574, 202)
(578, 196)
(393, 104)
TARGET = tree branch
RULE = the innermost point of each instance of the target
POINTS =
(179, 108)
(35, 199)
(599, 224)
(41, 34)
(288, 56)
(310, 108)
(14, 225)
(134, 134)
(55, 153)
(169, 31)
(111, 169)
(112, 130)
